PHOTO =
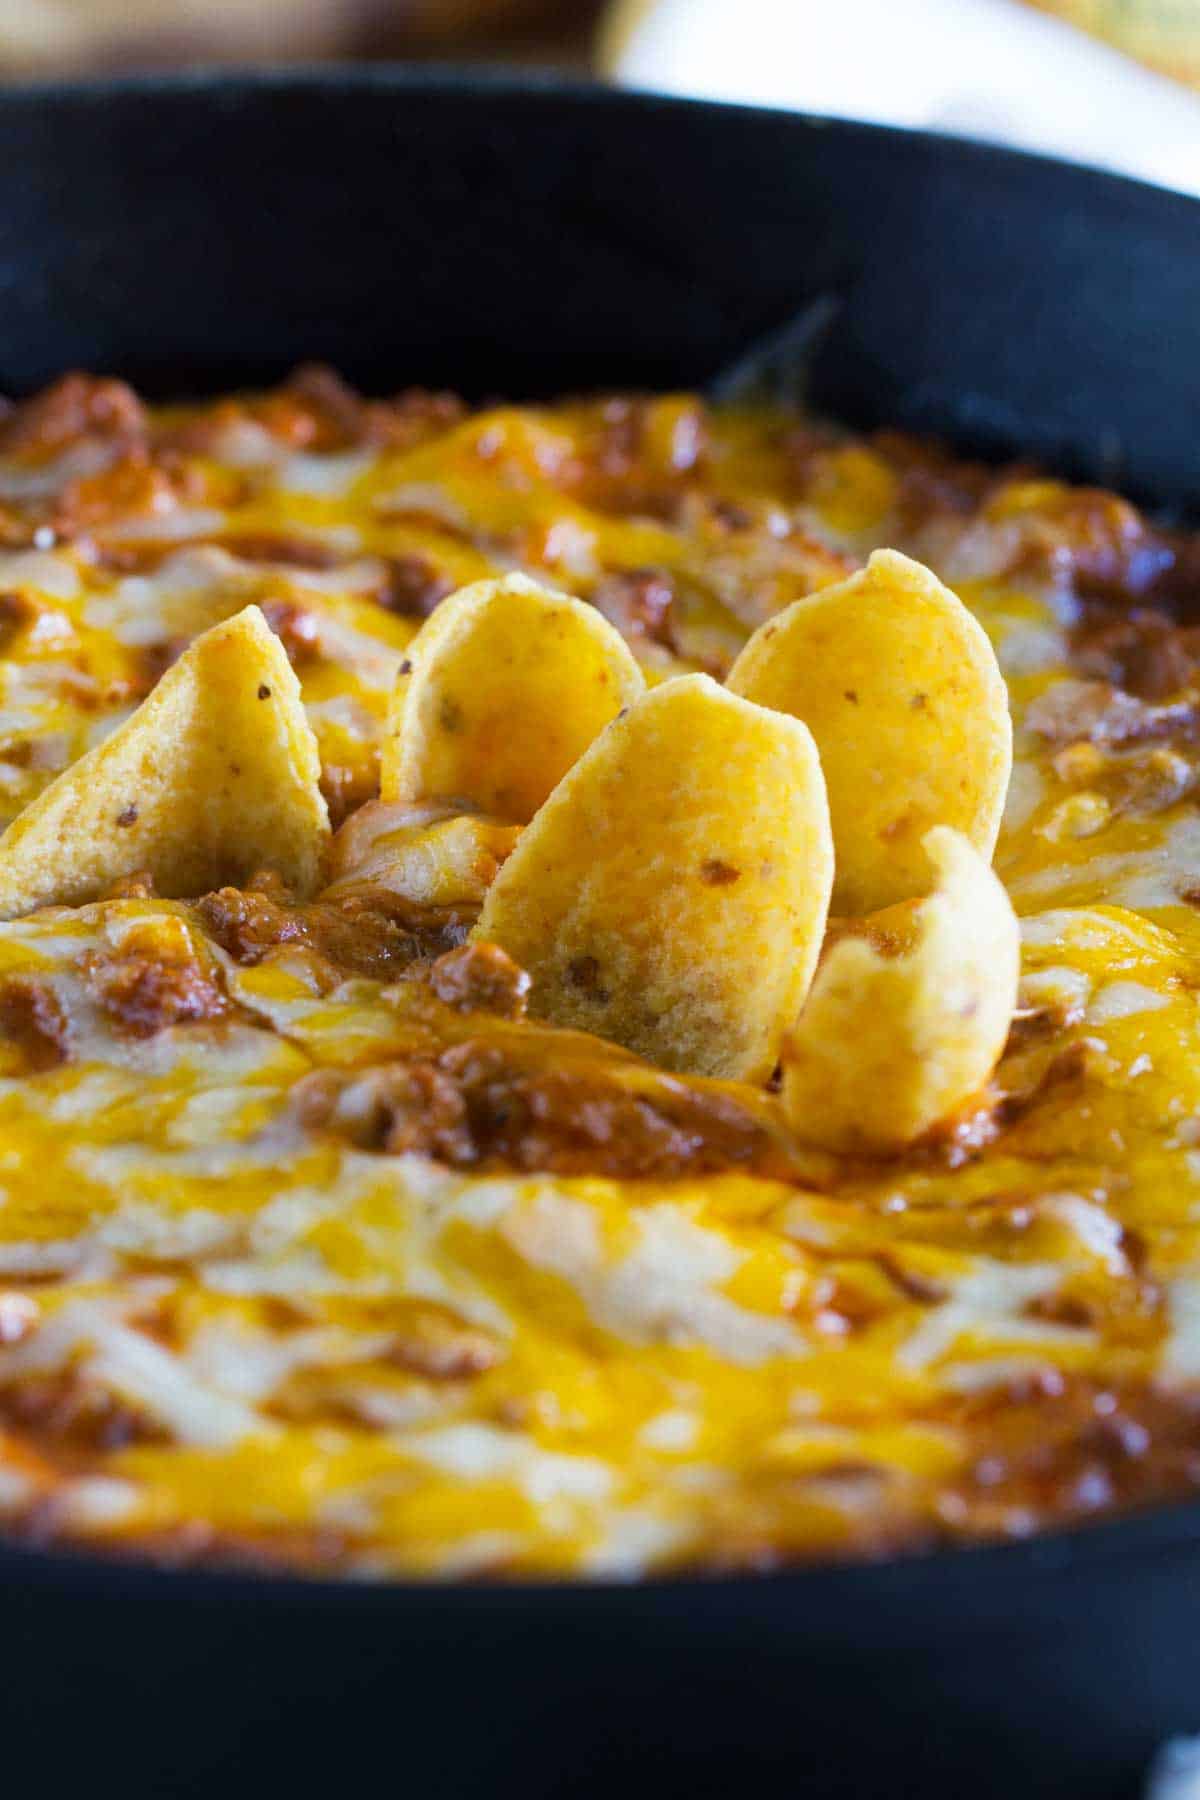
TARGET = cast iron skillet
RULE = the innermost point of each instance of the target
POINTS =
(530, 239)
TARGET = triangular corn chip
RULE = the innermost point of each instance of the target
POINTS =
(509, 684)
(900, 687)
(215, 774)
(672, 892)
(906, 1022)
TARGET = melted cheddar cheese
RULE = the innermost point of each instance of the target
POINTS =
(283, 1275)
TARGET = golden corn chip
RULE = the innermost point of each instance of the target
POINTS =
(901, 690)
(905, 1022)
(214, 775)
(509, 684)
(672, 892)
(429, 855)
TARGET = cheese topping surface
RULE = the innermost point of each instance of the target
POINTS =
(315, 1252)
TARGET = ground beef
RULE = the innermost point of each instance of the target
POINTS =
(347, 787)
(146, 984)
(316, 410)
(247, 924)
(32, 1017)
(1059, 1447)
(297, 627)
(931, 480)
(131, 488)
(1142, 651)
(485, 1106)
(480, 978)
(434, 1343)
(74, 408)
(640, 603)
(412, 587)
(1106, 550)
(370, 932)
(16, 612)
(70, 1416)
(1094, 710)
(289, 549)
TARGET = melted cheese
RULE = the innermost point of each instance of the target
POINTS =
(372, 1362)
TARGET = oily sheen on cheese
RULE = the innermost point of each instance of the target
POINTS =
(319, 1252)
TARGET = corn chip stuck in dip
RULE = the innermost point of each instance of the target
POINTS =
(585, 989)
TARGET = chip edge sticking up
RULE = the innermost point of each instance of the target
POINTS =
(893, 1042)
(792, 662)
(540, 742)
(719, 856)
(138, 800)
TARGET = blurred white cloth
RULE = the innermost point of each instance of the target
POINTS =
(991, 69)
(1176, 1772)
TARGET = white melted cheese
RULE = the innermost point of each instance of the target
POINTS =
(138, 1369)
(673, 1431)
(148, 1232)
(39, 481)
(1098, 1234)
(329, 477)
(174, 526)
(43, 571)
(1161, 876)
(190, 591)
(1025, 648)
(663, 1290)
(1059, 985)
(423, 498)
(475, 1452)
(233, 1359)
(95, 1503)
(1026, 791)
(88, 1333)
(1180, 1356)
(1123, 1000)
(633, 1540)
(988, 1304)
(1143, 879)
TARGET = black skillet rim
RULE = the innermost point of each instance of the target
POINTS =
(532, 83)
(1144, 1536)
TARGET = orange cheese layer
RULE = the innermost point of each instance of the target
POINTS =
(231, 1329)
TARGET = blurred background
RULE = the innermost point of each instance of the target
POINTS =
(1112, 82)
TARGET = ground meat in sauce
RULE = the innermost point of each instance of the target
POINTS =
(287, 549)
(412, 587)
(932, 480)
(73, 409)
(316, 410)
(297, 627)
(345, 790)
(640, 604)
(32, 1018)
(436, 1344)
(1064, 1447)
(16, 612)
(1144, 652)
(75, 1418)
(370, 933)
(1071, 711)
(1041, 1449)
(481, 978)
(143, 991)
(1107, 551)
(476, 1107)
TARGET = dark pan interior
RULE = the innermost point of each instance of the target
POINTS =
(491, 237)
(494, 238)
